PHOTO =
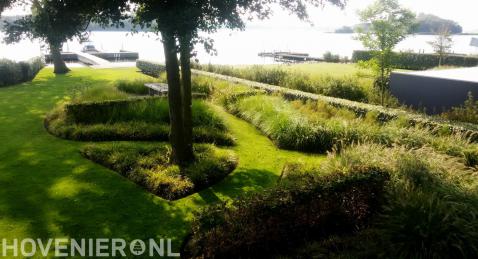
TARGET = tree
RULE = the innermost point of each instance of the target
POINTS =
(179, 23)
(431, 24)
(4, 4)
(56, 21)
(389, 25)
(442, 44)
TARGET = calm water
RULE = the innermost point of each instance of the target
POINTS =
(236, 47)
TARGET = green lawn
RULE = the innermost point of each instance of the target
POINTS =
(48, 190)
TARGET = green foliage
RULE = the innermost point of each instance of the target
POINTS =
(132, 119)
(148, 165)
(18, 72)
(150, 68)
(465, 113)
(389, 25)
(431, 205)
(133, 86)
(329, 57)
(342, 87)
(420, 61)
(361, 109)
(97, 94)
(277, 220)
(318, 127)
(431, 24)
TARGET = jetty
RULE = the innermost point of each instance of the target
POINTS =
(90, 59)
(289, 57)
(96, 58)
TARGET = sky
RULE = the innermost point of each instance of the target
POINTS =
(465, 12)
(329, 17)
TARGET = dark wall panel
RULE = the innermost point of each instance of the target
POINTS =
(434, 94)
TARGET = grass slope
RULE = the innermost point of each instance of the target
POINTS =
(48, 190)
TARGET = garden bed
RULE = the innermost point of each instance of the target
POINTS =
(132, 119)
(148, 166)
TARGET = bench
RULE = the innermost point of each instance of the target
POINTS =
(157, 88)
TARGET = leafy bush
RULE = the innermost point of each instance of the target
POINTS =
(18, 72)
(148, 165)
(329, 57)
(468, 112)
(277, 220)
(419, 61)
(150, 68)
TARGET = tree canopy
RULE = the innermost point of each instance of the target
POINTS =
(389, 24)
(432, 24)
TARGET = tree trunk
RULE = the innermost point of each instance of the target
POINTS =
(58, 62)
(176, 135)
(185, 42)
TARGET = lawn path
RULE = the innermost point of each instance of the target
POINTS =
(47, 190)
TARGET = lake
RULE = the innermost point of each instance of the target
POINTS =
(238, 47)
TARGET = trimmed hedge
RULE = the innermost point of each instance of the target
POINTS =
(361, 109)
(150, 68)
(277, 221)
(12, 72)
(418, 61)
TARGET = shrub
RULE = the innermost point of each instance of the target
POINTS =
(329, 57)
(133, 119)
(98, 94)
(18, 72)
(468, 112)
(150, 68)
(419, 61)
(133, 86)
(148, 165)
(431, 205)
(277, 220)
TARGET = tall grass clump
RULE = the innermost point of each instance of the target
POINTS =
(349, 88)
(98, 94)
(136, 87)
(319, 127)
(148, 166)
(432, 201)
(398, 203)
(287, 127)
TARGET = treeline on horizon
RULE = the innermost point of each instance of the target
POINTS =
(426, 24)
(125, 26)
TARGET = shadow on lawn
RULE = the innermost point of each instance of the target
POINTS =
(48, 190)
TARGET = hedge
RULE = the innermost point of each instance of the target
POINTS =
(12, 72)
(274, 222)
(150, 68)
(418, 61)
(361, 109)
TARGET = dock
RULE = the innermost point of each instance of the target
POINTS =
(90, 59)
(289, 57)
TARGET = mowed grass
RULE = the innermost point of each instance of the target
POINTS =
(48, 190)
